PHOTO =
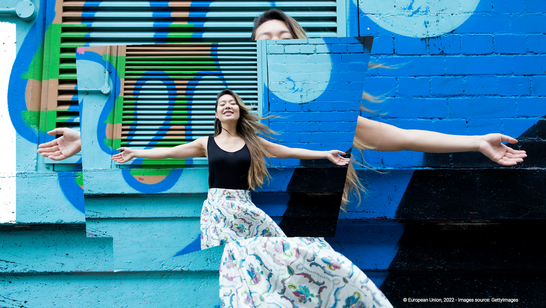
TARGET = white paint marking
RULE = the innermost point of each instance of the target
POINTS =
(419, 18)
(300, 83)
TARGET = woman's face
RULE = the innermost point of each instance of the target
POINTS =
(227, 109)
(273, 30)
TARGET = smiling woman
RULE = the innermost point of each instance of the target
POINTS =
(236, 164)
(260, 265)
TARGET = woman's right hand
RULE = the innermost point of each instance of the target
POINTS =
(335, 157)
(126, 155)
(63, 147)
(491, 146)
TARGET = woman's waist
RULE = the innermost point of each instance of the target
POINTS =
(225, 194)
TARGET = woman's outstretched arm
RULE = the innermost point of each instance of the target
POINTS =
(281, 151)
(385, 137)
(193, 149)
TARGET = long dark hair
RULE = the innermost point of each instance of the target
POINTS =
(248, 128)
(275, 14)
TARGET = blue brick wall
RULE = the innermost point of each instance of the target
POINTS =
(485, 72)
(315, 87)
(485, 75)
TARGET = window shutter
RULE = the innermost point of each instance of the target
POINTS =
(169, 91)
(59, 93)
(141, 22)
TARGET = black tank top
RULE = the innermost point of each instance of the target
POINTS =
(227, 169)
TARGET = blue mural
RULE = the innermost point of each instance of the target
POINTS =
(469, 68)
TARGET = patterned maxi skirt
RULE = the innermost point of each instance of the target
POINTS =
(261, 267)
(229, 215)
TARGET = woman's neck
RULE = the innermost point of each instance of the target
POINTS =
(229, 130)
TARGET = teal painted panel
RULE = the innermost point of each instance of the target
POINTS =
(152, 206)
(168, 205)
(155, 244)
(47, 197)
(27, 158)
(156, 289)
(96, 154)
(146, 244)
(120, 181)
(28, 249)
(150, 231)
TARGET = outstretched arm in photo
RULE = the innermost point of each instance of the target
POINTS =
(281, 151)
(193, 149)
(384, 137)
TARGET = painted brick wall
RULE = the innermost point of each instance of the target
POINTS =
(434, 224)
(484, 76)
(315, 88)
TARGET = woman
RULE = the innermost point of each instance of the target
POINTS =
(236, 164)
(372, 135)
(260, 266)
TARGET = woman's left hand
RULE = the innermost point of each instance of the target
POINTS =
(334, 156)
(491, 146)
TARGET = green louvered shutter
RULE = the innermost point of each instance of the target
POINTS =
(169, 91)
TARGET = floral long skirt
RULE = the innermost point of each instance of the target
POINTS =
(229, 215)
(261, 267)
(293, 272)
